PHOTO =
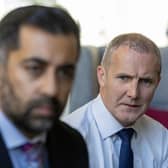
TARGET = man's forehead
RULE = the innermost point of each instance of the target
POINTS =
(46, 61)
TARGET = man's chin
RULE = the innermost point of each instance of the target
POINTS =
(129, 121)
(42, 125)
(36, 127)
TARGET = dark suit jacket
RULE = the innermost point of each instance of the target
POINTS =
(66, 148)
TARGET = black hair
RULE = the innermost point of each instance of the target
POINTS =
(54, 20)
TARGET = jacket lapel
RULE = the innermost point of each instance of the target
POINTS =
(4, 158)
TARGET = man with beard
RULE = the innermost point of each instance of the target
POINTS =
(39, 48)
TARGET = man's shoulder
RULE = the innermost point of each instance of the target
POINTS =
(65, 138)
(67, 145)
(79, 116)
(149, 126)
(64, 132)
(152, 122)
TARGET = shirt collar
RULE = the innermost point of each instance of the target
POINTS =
(106, 123)
(12, 136)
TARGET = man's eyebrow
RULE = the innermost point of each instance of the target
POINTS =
(68, 65)
(124, 74)
(35, 59)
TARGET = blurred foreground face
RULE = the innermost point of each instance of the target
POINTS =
(128, 84)
(38, 78)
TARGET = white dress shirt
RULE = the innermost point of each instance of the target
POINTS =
(99, 128)
(13, 139)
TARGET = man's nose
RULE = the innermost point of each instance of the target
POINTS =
(133, 90)
(49, 86)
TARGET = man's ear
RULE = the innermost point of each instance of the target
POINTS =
(101, 75)
(159, 78)
(2, 71)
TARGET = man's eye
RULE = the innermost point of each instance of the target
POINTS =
(146, 82)
(34, 69)
(124, 78)
(66, 74)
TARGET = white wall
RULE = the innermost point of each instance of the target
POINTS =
(101, 20)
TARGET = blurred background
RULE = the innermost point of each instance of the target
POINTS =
(100, 20)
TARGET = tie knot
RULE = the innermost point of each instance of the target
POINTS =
(33, 155)
(126, 134)
(29, 146)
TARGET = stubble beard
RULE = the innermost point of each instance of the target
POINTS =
(21, 114)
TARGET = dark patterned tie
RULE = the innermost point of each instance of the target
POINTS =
(34, 155)
(126, 154)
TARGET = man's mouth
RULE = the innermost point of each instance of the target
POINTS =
(44, 110)
(132, 105)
